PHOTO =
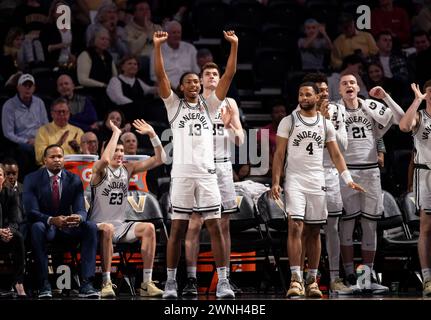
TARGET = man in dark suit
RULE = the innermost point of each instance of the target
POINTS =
(54, 202)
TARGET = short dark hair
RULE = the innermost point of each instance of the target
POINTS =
(316, 77)
(126, 58)
(420, 33)
(177, 89)
(51, 146)
(426, 85)
(59, 101)
(383, 33)
(209, 65)
(10, 162)
(309, 84)
(351, 59)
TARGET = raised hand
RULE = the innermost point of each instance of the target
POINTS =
(142, 127)
(418, 94)
(324, 110)
(378, 92)
(74, 144)
(63, 138)
(226, 116)
(159, 37)
(114, 128)
(230, 36)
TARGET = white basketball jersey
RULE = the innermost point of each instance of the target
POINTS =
(306, 141)
(221, 136)
(361, 151)
(422, 139)
(337, 113)
(109, 197)
(192, 128)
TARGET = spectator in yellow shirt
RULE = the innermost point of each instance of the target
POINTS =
(59, 131)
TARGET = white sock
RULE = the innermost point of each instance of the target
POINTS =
(148, 275)
(221, 273)
(297, 271)
(106, 277)
(191, 272)
(348, 268)
(426, 273)
(172, 273)
(334, 274)
(311, 273)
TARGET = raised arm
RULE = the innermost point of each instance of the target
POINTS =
(227, 77)
(231, 121)
(164, 84)
(159, 153)
(100, 165)
(380, 93)
(411, 118)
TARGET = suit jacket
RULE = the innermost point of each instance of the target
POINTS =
(37, 196)
(9, 210)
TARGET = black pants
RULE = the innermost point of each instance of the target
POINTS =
(16, 247)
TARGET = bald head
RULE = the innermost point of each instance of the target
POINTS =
(174, 30)
(89, 143)
(130, 143)
(65, 86)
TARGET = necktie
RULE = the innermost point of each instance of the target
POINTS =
(55, 193)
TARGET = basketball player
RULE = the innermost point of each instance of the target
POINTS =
(109, 187)
(228, 110)
(194, 180)
(366, 121)
(336, 114)
(304, 134)
(419, 122)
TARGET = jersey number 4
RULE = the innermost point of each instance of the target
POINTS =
(116, 198)
(310, 148)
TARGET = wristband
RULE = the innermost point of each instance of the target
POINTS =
(155, 141)
(347, 178)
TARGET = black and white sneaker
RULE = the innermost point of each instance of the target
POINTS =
(191, 288)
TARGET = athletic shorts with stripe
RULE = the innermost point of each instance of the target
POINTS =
(422, 189)
(200, 195)
(367, 204)
(333, 195)
(311, 208)
(226, 186)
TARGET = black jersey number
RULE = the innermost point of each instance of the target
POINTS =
(310, 148)
(357, 132)
(218, 129)
(116, 198)
(195, 129)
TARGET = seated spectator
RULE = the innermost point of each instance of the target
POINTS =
(11, 171)
(352, 64)
(22, 116)
(140, 32)
(11, 238)
(387, 17)
(82, 111)
(314, 46)
(203, 56)
(178, 56)
(423, 20)
(59, 132)
(421, 42)
(89, 143)
(60, 46)
(95, 67)
(12, 59)
(130, 143)
(54, 218)
(375, 77)
(105, 132)
(107, 17)
(394, 64)
(278, 112)
(351, 41)
(128, 92)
